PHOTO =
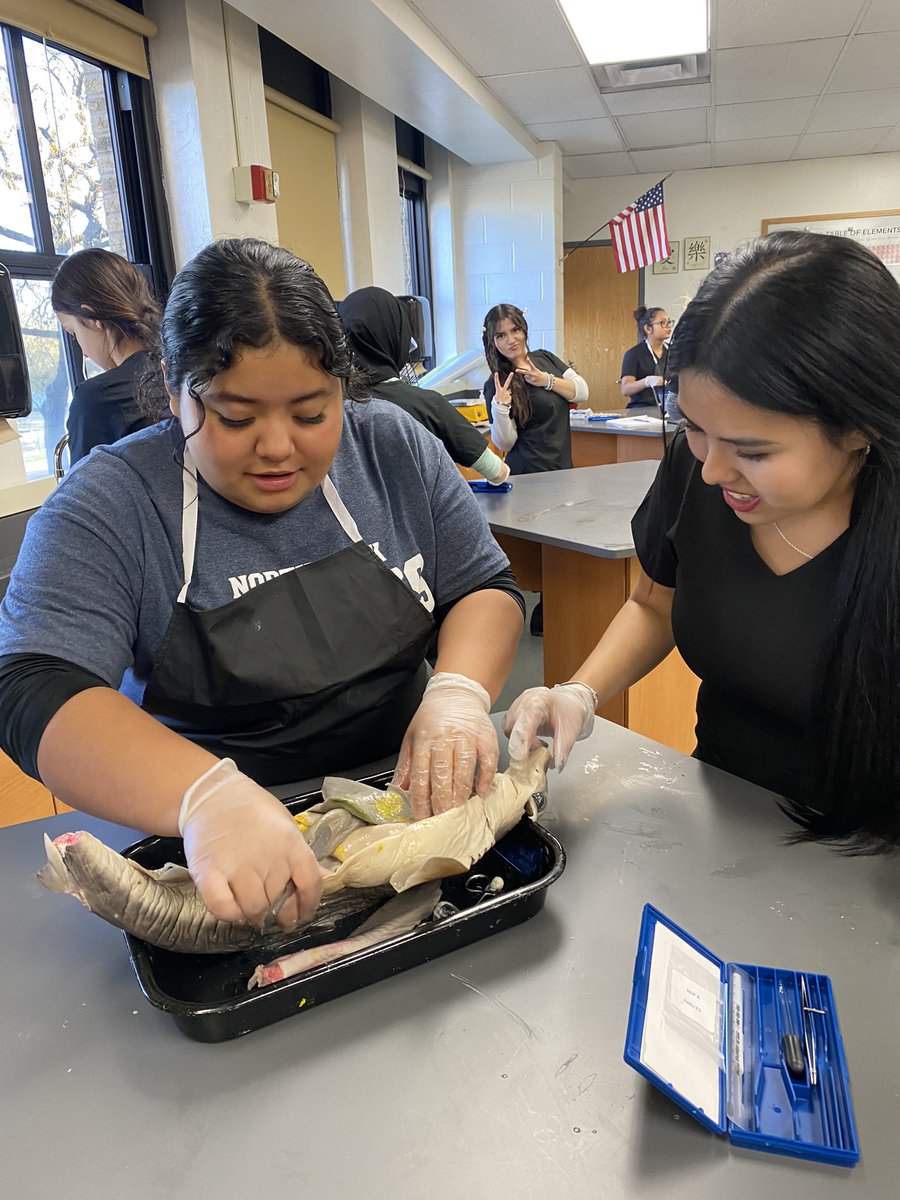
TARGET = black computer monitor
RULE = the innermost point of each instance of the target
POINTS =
(15, 388)
(420, 324)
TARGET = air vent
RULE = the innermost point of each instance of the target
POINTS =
(617, 77)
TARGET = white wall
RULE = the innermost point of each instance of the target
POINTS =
(369, 191)
(207, 82)
(728, 203)
(496, 237)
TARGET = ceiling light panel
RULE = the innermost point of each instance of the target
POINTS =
(608, 31)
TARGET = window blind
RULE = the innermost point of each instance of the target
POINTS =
(101, 29)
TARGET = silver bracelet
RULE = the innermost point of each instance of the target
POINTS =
(548, 386)
(596, 698)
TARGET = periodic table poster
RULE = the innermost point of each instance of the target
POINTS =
(877, 231)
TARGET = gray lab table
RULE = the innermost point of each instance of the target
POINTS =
(568, 535)
(494, 1072)
(587, 509)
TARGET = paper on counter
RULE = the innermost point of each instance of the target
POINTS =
(637, 424)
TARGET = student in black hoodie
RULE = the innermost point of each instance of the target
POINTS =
(381, 336)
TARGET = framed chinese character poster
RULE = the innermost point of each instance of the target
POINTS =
(668, 266)
(696, 254)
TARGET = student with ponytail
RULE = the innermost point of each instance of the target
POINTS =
(770, 541)
(645, 366)
(105, 303)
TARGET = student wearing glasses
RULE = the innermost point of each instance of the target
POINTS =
(644, 365)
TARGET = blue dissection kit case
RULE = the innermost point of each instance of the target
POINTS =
(482, 485)
(754, 1052)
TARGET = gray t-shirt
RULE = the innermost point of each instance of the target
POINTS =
(99, 571)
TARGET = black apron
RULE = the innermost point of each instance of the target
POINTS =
(310, 673)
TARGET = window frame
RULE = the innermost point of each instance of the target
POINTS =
(135, 146)
(413, 194)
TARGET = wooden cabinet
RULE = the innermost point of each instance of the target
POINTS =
(591, 449)
(582, 593)
(23, 798)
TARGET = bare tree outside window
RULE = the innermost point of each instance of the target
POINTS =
(70, 112)
(49, 381)
(78, 165)
(16, 226)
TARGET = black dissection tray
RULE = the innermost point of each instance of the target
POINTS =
(207, 994)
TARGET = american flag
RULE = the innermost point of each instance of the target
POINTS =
(639, 234)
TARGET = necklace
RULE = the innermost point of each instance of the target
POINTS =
(802, 553)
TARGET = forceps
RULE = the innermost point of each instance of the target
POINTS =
(267, 924)
(484, 886)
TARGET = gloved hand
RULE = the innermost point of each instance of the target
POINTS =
(243, 846)
(654, 381)
(449, 735)
(564, 712)
(501, 477)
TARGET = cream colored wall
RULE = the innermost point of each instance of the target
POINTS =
(308, 211)
(496, 237)
(368, 186)
(208, 90)
(728, 203)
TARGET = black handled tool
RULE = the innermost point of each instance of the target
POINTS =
(791, 1046)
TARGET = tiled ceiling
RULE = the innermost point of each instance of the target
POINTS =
(788, 79)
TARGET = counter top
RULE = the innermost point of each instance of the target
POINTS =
(588, 509)
(604, 427)
(495, 1071)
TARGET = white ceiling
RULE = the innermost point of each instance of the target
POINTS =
(789, 79)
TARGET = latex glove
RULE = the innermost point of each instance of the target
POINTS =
(449, 736)
(501, 477)
(564, 712)
(654, 381)
(243, 846)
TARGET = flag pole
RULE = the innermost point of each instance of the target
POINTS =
(603, 226)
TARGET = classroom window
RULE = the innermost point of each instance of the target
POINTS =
(77, 170)
(414, 229)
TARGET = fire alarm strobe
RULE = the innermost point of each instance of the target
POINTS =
(255, 185)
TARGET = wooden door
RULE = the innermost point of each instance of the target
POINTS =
(599, 303)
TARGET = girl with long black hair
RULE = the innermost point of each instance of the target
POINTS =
(770, 541)
(529, 393)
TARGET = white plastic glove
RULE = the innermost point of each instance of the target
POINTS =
(501, 477)
(243, 846)
(564, 712)
(654, 381)
(449, 736)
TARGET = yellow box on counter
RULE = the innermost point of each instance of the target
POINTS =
(473, 412)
